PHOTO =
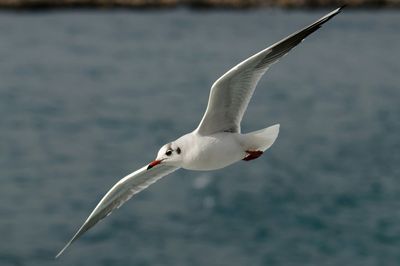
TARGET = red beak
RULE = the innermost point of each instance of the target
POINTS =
(153, 163)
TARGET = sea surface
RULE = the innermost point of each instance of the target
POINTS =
(89, 96)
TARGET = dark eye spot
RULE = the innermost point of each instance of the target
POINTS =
(178, 150)
(168, 153)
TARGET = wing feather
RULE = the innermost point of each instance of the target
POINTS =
(231, 93)
(121, 192)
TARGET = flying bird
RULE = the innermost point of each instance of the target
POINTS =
(217, 141)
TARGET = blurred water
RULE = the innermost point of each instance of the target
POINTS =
(87, 97)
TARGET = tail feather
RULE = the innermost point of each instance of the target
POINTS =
(261, 139)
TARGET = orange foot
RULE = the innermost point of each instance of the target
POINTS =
(251, 155)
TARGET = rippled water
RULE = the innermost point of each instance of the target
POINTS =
(88, 97)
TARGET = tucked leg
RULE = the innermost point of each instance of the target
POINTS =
(251, 155)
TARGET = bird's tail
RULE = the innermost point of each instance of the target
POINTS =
(261, 139)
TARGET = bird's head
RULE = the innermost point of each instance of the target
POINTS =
(169, 154)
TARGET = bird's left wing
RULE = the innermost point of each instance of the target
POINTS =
(231, 93)
(120, 193)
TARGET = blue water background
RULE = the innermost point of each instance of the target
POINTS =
(87, 97)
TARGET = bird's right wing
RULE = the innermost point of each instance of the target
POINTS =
(231, 93)
(120, 193)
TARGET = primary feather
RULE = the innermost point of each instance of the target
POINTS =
(121, 192)
(231, 93)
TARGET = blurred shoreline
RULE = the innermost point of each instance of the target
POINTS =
(196, 4)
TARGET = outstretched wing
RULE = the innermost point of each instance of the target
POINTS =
(231, 93)
(120, 193)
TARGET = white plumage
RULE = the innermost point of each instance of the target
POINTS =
(217, 141)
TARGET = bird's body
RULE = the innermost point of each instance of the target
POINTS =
(217, 141)
(221, 149)
(211, 152)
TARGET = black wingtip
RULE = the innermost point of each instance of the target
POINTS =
(329, 15)
(339, 9)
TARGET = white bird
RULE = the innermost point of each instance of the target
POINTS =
(217, 141)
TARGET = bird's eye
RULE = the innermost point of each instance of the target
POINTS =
(178, 150)
(168, 153)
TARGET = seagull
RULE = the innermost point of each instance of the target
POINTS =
(217, 141)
